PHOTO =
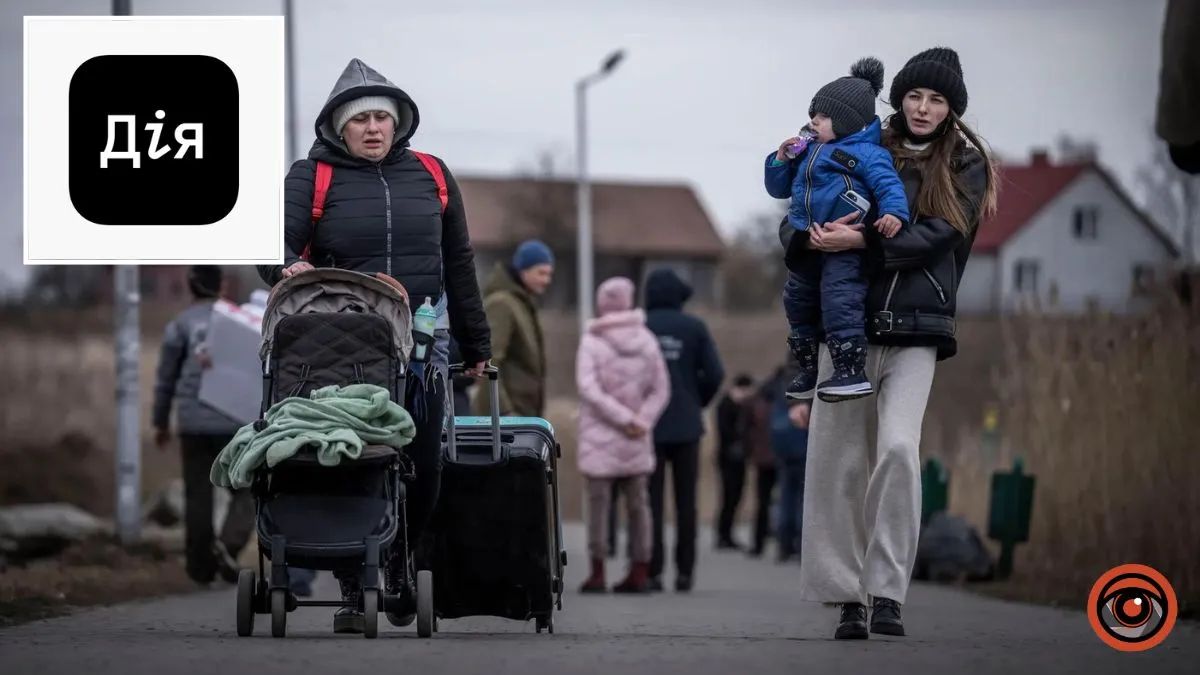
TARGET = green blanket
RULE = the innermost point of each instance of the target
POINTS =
(338, 421)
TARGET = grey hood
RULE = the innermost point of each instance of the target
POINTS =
(359, 79)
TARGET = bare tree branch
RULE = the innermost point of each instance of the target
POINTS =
(1172, 198)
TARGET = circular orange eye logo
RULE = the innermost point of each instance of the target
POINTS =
(1132, 608)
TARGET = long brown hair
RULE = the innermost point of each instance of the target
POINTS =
(940, 184)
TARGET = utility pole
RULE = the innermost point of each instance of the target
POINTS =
(127, 337)
(290, 83)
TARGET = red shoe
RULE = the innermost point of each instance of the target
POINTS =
(637, 581)
(595, 583)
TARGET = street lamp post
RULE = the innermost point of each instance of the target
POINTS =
(583, 192)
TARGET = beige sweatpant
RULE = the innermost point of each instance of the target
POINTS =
(862, 495)
(637, 500)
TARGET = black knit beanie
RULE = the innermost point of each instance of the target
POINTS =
(205, 280)
(850, 101)
(937, 69)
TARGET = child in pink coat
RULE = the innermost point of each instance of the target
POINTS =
(623, 388)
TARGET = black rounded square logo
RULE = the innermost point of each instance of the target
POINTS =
(153, 140)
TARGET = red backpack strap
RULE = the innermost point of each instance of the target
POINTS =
(321, 181)
(435, 169)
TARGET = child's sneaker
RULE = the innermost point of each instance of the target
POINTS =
(849, 379)
(804, 349)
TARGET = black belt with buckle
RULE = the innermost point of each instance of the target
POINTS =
(890, 322)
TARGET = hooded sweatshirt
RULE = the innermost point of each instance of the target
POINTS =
(690, 354)
(385, 216)
(622, 379)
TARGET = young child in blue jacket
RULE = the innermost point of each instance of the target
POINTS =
(825, 292)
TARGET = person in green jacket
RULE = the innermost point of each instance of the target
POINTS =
(510, 301)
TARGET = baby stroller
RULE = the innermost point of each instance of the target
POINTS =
(331, 327)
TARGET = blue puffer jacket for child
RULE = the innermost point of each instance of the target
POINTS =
(816, 179)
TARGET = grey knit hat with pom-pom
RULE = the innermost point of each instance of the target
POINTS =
(850, 101)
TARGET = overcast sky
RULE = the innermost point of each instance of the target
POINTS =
(707, 89)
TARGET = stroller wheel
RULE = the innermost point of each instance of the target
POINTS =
(371, 613)
(278, 612)
(245, 603)
(425, 616)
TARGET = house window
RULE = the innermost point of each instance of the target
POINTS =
(1086, 220)
(1143, 278)
(1025, 276)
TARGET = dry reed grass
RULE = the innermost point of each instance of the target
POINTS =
(1102, 409)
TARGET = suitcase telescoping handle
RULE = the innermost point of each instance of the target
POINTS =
(493, 375)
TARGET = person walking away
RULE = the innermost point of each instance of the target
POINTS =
(518, 350)
(696, 374)
(203, 432)
(623, 388)
(734, 412)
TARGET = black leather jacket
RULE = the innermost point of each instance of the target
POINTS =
(914, 276)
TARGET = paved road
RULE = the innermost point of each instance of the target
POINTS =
(743, 617)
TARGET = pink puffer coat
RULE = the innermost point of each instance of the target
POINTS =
(622, 378)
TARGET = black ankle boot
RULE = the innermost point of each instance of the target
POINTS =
(398, 580)
(885, 617)
(350, 619)
(805, 351)
(853, 623)
(849, 379)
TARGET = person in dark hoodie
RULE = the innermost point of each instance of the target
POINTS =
(386, 214)
(696, 375)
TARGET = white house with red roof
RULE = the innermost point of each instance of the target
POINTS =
(1067, 237)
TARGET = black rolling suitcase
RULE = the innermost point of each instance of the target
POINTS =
(496, 544)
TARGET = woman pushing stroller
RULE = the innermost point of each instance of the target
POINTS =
(364, 201)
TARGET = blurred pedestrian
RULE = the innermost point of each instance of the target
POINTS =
(765, 474)
(789, 446)
(623, 388)
(518, 348)
(203, 433)
(1178, 98)
(696, 375)
(862, 497)
(734, 417)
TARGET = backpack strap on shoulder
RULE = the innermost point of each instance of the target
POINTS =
(321, 181)
(435, 169)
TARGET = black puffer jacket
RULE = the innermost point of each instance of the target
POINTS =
(385, 216)
(916, 274)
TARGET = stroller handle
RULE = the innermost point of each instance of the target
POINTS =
(493, 376)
